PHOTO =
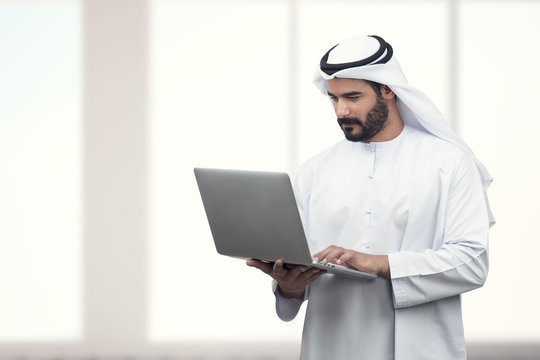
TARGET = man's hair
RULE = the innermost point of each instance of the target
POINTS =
(375, 86)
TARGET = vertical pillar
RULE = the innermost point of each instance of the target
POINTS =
(292, 161)
(115, 174)
(453, 61)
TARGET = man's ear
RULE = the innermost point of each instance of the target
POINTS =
(387, 93)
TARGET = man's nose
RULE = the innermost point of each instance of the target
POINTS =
(342, 109)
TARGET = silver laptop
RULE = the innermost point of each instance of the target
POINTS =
(253, 214)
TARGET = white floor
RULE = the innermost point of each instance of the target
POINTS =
(476, 351)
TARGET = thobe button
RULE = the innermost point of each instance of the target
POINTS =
(370, 177)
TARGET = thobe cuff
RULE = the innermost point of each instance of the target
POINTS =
(395, 262)
(286, 308)
(397, 265)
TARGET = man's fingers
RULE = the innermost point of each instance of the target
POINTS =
(334, 254)
(296, 275)
(279, 268)
(315, 273)
(343, 259)
(261, 265)
(322, 256)
(309, 275)
(330, 254)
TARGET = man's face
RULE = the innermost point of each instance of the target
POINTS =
(361, 112)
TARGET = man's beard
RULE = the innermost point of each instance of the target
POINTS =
(375, 122)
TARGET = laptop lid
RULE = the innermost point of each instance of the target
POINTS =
(253, 214)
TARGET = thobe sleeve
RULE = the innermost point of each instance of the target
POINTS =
(459, 262)
(287, 308)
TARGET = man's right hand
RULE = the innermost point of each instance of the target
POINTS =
(291, 282)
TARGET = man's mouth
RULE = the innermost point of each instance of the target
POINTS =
(349, 121)
(348, 128)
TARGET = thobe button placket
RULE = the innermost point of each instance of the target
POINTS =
(368, 207)
(367, 218)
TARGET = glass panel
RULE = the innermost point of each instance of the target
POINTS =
(219, 99)
(40, 166)
(500, 83)
(417, 30)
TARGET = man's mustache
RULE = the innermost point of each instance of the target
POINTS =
(349, 121)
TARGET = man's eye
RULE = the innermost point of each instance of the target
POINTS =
(353, 98)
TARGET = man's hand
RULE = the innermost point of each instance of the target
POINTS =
(291, 282)
(374, 264)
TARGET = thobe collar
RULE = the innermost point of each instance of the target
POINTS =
(380, 146)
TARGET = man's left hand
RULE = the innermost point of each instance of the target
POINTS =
(374, 264)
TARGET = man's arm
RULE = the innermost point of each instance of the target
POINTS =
(289, 285)
(459, 263)
(456, 265)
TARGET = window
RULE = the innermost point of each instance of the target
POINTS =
(219, 99)
(499, 86)
(40, 171)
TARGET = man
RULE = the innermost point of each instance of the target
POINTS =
(402, 197)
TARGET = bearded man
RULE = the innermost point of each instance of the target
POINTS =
(402, 197)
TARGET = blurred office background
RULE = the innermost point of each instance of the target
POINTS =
(107, 105)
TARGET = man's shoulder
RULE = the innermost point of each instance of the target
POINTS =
(325, 157)
(432, 146)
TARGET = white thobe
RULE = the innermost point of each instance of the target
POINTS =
(418, 199)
